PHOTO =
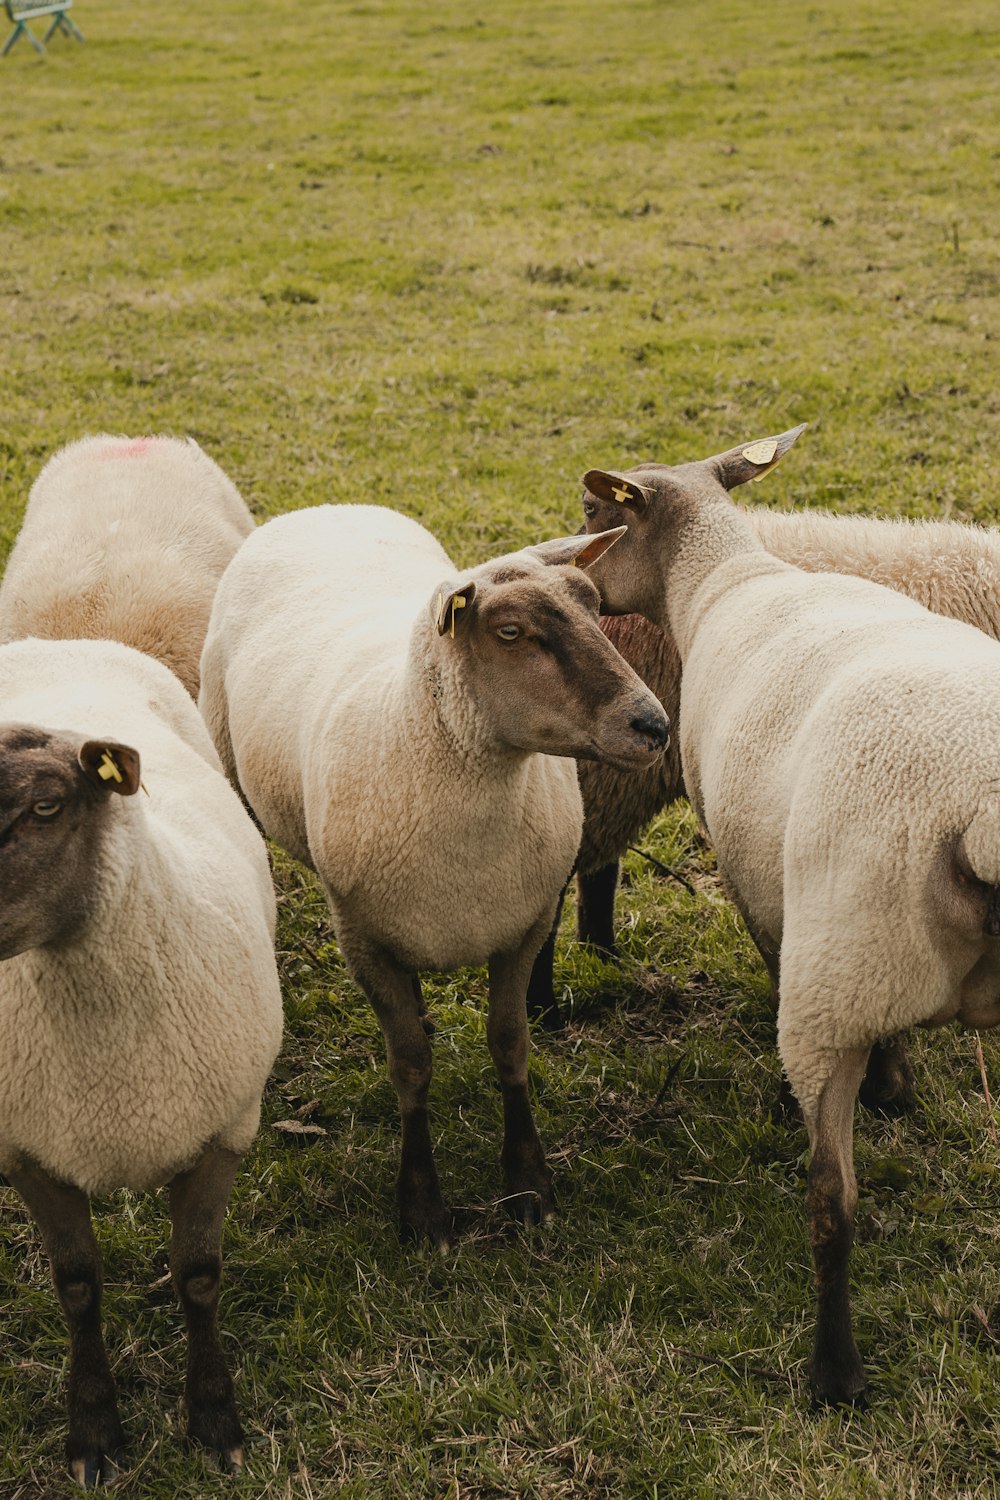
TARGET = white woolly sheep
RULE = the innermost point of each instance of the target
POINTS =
(124, 539)
(839, 744)
(951, 568)
(139, 1004)
(384, 720)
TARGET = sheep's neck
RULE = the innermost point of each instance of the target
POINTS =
(438, 701)
(702, 541)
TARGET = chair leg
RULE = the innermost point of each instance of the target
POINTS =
(62, 22)
(18, 30)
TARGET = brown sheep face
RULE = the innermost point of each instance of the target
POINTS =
(541, 672)
(55, 791)
(659, 502)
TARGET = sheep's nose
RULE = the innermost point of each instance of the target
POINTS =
(653, 726)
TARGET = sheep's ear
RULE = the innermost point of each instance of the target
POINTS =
(111, 766)
(752, 460)
(580, 549)
(617, 491)
(448, 605)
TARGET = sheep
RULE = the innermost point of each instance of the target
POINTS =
(396, 725)
(140, 1010)
(839, 744)
(951, 568)
(124, 539)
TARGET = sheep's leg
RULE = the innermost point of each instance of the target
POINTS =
(395, 999)
(541, 995)
(836, 1372)
(595, 911)
(198, 1202)
(527, 1180)
(95, 1439)
(888, 1086)
(540, 1000)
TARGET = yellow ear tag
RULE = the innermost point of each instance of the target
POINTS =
(622, 493)
(761, 452)
(457, 603)
(108, 769)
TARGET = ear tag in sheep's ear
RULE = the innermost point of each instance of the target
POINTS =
(109, 768)
(761, 452)
(458, 602)
(765, 452)
(622, 493)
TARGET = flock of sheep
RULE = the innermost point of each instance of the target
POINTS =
(411, 731)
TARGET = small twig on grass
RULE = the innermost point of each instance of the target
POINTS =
(986, 1088)
(664, 869)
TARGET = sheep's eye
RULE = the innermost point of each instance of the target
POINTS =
(508, 632)
(46, 809)
(589, 508)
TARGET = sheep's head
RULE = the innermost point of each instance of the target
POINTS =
(654, 501)
(54, 794)
(523, 633)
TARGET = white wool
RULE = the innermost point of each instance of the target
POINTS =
(150, 1035)
(328, 702)
(837, 740)
(124, 539)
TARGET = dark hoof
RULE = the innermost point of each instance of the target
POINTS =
(427, 1225)
(529, 1197)
(838, 1384)
(530, 1209)
(213, 1422)
(94, 1445)
(93, 1470)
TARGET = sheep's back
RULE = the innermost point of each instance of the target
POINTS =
(124, 540)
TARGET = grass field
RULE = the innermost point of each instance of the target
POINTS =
(447, 257)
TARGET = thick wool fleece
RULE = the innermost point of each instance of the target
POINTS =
(951, 568)
(124, 539)
(839, 742)
(332, 700)
(126, 1051)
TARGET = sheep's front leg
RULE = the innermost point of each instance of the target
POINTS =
(395, 997)
(836, 1372)
(527, 1179)
(198, 1202)
(95, 1439)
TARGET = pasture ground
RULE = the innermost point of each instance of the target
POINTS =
(447, 257)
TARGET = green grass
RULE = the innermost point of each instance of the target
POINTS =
(448, 257)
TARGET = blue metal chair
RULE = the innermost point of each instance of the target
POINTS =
(23, 11)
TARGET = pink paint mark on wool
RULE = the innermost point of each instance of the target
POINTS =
(134, 449)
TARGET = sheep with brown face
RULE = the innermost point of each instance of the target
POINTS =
(409, 730)
(139, 1004)
(124, 539)
(839, 745)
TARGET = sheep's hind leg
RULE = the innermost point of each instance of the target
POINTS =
(836, 1373)
(197, 1208)
(527, 1180)
(888, 1086)
(595, 910)
(540, 998)
(95, 1440)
